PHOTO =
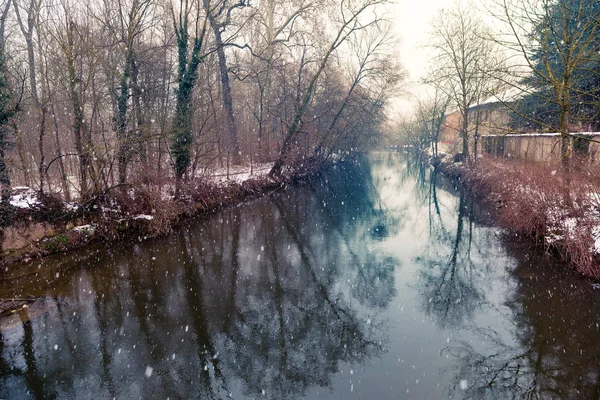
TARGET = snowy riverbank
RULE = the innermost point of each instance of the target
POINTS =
(536, 200)
(34, 225)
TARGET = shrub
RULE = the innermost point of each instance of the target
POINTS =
(538, 200)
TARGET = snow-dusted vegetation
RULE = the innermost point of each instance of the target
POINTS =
(538, 200)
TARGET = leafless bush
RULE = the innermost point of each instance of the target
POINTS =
(140, 206)
(538, 200)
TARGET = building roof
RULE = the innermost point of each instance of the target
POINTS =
(508, 96)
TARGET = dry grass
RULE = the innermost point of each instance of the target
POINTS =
(145, 209)
(115, 210)
(538, 200)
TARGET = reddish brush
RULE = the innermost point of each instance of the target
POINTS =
(538, 200)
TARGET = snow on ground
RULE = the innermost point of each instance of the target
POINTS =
(240, 174)
(561, 226)
(24, 197)
(72, 206)
(219, 176)
(85, 229)
(144, 216)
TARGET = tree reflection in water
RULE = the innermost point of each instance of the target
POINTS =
(260, 300)
(274, 298)
(551, 349)
(448, 281)
(358, 218)
(546, 345)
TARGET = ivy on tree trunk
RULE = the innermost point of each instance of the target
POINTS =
(6, 114)
(187, 74)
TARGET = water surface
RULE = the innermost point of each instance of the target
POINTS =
(379, 280)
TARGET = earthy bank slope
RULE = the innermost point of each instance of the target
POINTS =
(33, 226)
(538, 201)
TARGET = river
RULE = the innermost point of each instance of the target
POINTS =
(379, 280)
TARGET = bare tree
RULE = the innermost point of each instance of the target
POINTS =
(431, 114)
(127, 24)
(372, 69)
(70, 42)
(187, 74)
(557, 42)
(219, 16)
(278, 23)
(464, 57)
(30, 30)
(7, 109)
(350, 22)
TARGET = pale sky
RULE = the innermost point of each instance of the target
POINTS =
(413, 25)
(413, 18)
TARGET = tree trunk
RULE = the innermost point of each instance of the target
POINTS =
(465, 134)
(120, 118)
(234, 145)
(21, 153)
(4, 178)
(78, 124)
(140, 132)
(42, 135)
(61, 165)
(476, 136)
(261, 108)
(565, 149)
(187, 74)
(59, 158)
(565, 137)
(27, 30)
(7, 111)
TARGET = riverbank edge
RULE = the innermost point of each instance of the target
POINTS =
(480, 186)
(69, 234)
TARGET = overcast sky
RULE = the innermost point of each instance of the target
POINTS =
(413, 18)
(413, 26)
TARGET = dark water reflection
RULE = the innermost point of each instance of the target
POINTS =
(379, 281)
